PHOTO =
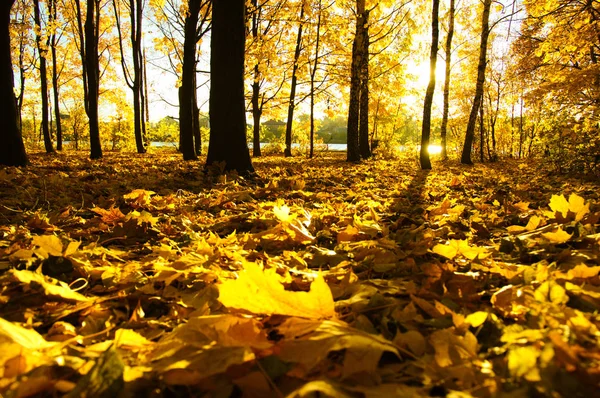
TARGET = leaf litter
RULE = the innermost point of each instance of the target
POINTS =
(144, 276)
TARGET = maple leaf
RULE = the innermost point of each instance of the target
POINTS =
(575, 205)
(456, 247)
(558, 236)
(261, 292)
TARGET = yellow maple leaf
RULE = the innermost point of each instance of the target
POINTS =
(578, 206)
(50, 244)
(558, 236)
(559, 204)
(456, 247)
(261, 292)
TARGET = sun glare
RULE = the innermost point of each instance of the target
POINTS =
(434, 149)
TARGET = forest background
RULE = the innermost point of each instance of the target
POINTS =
(539, 94)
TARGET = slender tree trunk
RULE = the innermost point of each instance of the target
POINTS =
(313, 74)
(255, 101)
(256, 113)
(363, 118)
(145, 99)
(481, 134)
(12, 150)
(227, 110)
(136, 7)
(55, 87)
(521, 122)
(188, 85)
(292, 104)
(43, 79)
(196, 120)
(448, 51)
(93, 75)
(485, 32)
(353, 146)
(426, 128)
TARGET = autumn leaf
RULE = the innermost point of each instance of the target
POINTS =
(261, 292)
(456, 247)
(558, 236)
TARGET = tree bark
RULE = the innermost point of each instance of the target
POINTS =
(12, 150)
(291, 106)
(352, 140)
(93, 75)
(313, 73)
(448, 51)
(227, 110)
(255, 101)
(363, 118)
(55, 76)
(43, 79)
(188, 83)
(470, 134)
(426, 127)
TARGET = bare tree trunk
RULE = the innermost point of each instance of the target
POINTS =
(12, 150)
(227, 109)
(313, 73)
(353, 146)
(292, 105)
(485, 32)
(93, 75)
(255, 101)
(448, 51)
(43, 79)
(55, 76)
(426, 128)
(481, 134)
(188, 83)
(363, 124)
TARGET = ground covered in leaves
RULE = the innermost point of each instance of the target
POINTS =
(143, 276)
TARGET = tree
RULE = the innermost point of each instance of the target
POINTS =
(292, 104)
(135, 80)
(227, 111)
(477, 100)
(426, 127)
(353, 146)
(363, 106)
(12, 150)
(188, 106)
(446, 106)
(266, 33)
(53, 39)
(42, 52)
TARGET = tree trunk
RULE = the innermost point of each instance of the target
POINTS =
(313, 74)
(93, 74)
(485, 32)
(426, 128)
(290, 118)
(43, 78)
(256, 113)
(136, 8)
(481, 134)
(363, 117)
(448, 50)
(352, 140)
(188, 85)
(227, 110)
(12, 150)
(255, 101)
(196, 120)
(55, 88)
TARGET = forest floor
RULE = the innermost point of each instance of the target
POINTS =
(143, 276)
